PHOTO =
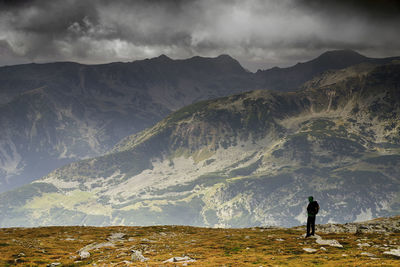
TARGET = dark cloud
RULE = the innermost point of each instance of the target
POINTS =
(259, 33)
(379, 9)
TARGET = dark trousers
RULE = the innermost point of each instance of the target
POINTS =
(311, 225)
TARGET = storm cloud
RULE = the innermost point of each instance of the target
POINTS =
(260, 34)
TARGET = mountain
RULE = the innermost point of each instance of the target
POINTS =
(53, 114)
(289, 79)
(245, 160)
(56, 113)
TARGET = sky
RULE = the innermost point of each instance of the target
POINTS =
(259, 33)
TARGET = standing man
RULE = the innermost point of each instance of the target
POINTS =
(312, 210)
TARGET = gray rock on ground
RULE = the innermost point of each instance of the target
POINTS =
(180, 259)
(138, 256)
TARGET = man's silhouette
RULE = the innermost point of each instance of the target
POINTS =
(312, 210)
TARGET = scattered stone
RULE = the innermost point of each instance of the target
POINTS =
(322, 248)
(138, 256)
(360, 245)
(330, 242)
(84, 254)
(310, 250)
(114, 237)
(97, 246)
(381, 225)
(180, 259)
(54, 264)
(345, 255)
(21, 254)
(395, 252)
(279, 239)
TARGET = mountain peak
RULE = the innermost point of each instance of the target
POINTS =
(225, 57)
(341, 54)
(162, 57)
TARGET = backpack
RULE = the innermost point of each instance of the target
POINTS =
(313, 208)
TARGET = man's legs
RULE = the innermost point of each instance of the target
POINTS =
(312, 225)
(309, 219)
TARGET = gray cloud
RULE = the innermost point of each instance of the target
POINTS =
(258, 33)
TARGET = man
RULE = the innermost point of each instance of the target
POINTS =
(312, 210)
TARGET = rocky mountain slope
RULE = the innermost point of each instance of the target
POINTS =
(245, 160)
(52, 114)
(56, 113)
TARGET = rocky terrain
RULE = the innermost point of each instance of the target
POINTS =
(250, 159)
(192, 246)
(56, 113)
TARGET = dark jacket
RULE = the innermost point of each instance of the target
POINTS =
(312, 208)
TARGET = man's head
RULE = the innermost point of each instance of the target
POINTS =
(310, 199)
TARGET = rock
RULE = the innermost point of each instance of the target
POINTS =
(114, 237)
(322, 248)
(330, 242)
(395, 252)
(96, 246)
(84, 254)
(310, 250)
(279, 239)
(180, 259)
(54, 264)
(381, 225)
(360, 245)
(138, 256)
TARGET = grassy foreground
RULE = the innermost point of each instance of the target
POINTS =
(112, 246)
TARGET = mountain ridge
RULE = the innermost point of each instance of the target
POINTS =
(91, 105)
(223, 162)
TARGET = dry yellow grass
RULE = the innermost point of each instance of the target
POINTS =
(209, 247)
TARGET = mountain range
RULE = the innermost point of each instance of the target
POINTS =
(247, 159)
(56, 113)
